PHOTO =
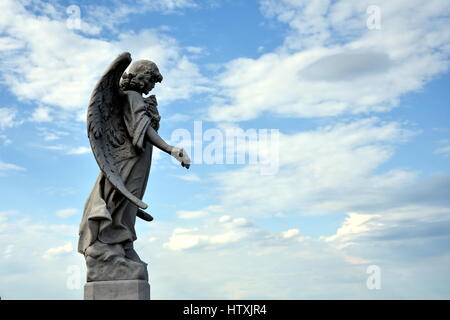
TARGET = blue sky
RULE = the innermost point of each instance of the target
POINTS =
(360, 100)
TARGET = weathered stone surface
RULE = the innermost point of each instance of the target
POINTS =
(112, 262)
(117, 290)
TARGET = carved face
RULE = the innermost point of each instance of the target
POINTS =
(147, 81)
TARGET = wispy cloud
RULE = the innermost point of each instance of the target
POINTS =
(5, 139)
(79, 150)
(190, 177)
(64, 213)
(7, 117)
(184, 214)
(51, 134)
(444, 148)
(68, 150)
(5, 167)
(52, 253)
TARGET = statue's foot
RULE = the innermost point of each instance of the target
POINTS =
(106, 262)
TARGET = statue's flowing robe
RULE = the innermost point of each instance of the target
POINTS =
(108, 216)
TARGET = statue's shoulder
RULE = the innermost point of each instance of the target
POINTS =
(133, 97)
(133, 94)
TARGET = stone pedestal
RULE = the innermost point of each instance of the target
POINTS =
(117, 290)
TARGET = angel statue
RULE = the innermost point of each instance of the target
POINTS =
(122, 129)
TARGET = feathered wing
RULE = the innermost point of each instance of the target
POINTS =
(105, 125)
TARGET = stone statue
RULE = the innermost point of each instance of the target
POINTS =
(122, 129)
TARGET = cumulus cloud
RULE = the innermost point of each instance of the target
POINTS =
(290, 233)
(41, 114)
(396, 219)
(52, 253)
(229, 257)
(226, 232)
(54, 65)
(230, 261)
(412, 234)
(354, 224)
(331, 64)
(330, 169)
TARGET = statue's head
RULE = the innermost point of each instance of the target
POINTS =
(141, 77)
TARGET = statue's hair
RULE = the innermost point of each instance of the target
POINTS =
(130, 80)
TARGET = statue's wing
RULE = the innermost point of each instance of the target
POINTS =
(105, 124)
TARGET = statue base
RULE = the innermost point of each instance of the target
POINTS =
(117, 290)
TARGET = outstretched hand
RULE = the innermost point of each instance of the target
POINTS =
(181, 155)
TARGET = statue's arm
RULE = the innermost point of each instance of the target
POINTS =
(157, 141)
(178, 153)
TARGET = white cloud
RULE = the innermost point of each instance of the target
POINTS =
(51, 134)
(290, 233)
(68, 150)
(7, 253)
(383, 236)
(41, 114)
(196, 50)
(240, 222)
(109, 17)
(192, 177)
(58, 67)
(224, 219)
(79, 150)
(184, 214)
(58, 147)
(6, 140)
(226, 237)
(330, 169)
(196, 214)
(178, 117)
(357, 260)
(7, 118)
(233, 260)
(230, 261)
(184, 241)
(351, 70)
(64, 213)
(52, 253)
(354, 224)
(228, 232)
(33, 262)
(5, 167)
(444, 149)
